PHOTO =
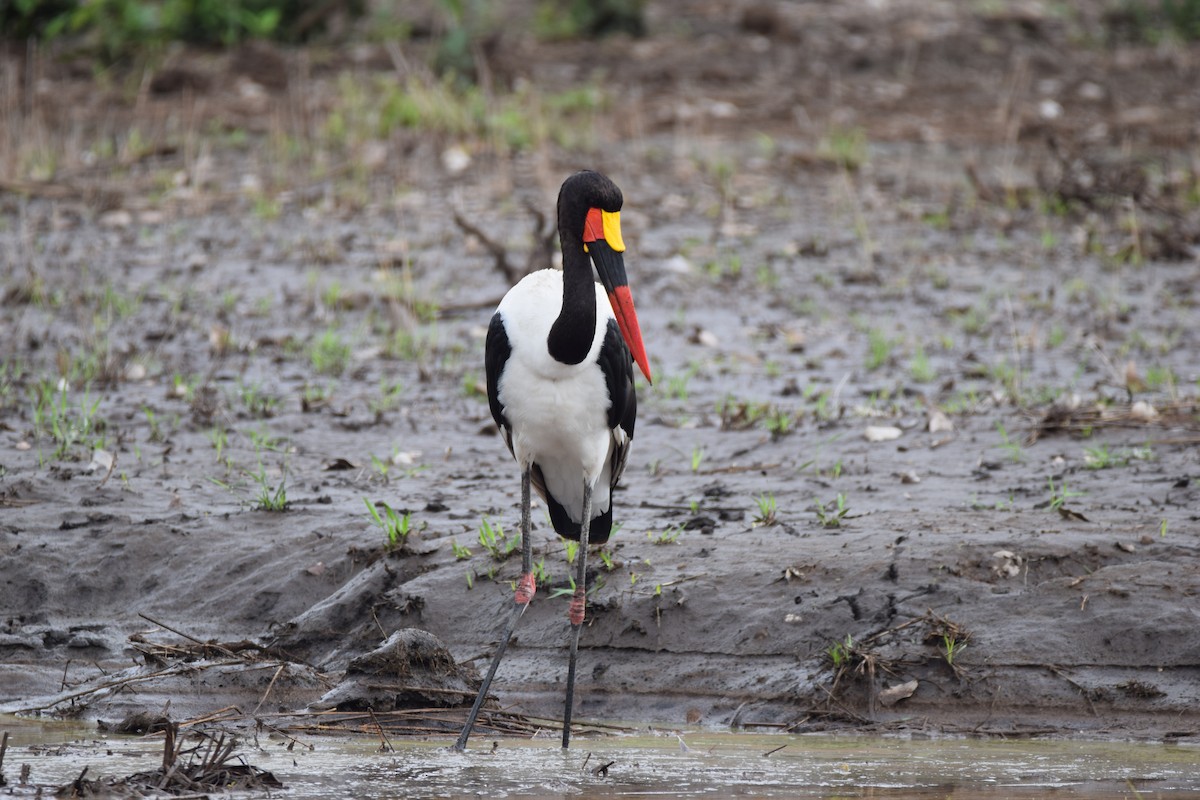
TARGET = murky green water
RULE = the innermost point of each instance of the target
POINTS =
(708, 765)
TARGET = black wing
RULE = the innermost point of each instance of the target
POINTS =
(617, 365)
(495, 356)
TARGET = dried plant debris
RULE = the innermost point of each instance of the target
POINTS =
(897, 651)
(412, 669)
(1182, 417)
(1140, 690)
(207, 765)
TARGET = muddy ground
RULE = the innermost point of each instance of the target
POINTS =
(969, 231)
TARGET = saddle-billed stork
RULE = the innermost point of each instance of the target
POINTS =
(559, 360)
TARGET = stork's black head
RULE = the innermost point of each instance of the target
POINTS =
(579, 194)
(589, 221)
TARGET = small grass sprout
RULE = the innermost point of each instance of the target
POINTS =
(841, 653)
(665, 536)
(329, 354)
(1100, 457)
(831, 514)
(270, 498)
(920, 368)
(879, 349)
(257, 402)
(395, 526)
(779, 423)
(67, 428)
(220, 440)
(1060, 494)
(387, 400)
(847, 147)
(496, 541)
(766, 510)
(1013, 446)
(952, 648)
(569, 589)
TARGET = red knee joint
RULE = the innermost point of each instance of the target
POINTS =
(526, 588)
(578, 604)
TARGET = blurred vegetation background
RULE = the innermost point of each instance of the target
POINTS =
(113, 30)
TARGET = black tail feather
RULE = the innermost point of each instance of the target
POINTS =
(598, 532)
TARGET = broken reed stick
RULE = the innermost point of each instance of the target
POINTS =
(270, 686)
(386, 747)
(219, 647)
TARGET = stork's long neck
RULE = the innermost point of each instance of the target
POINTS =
(571, 335)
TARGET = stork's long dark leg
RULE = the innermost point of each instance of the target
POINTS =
(524, 596)
(578, 607)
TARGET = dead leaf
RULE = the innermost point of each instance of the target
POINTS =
(101, 460)
(795, 339)
(939, 422)
(1133, 381)
(218, 339)
(894, 694)
(1009, 565)
(1075, 516)
(793, 572)
(339, 464)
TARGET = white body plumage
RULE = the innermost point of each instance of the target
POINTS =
(558, 412)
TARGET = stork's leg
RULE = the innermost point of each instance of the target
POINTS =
(524, 596)
(578, 607)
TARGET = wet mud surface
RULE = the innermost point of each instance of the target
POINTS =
(919, 287)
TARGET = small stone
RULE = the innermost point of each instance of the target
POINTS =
(120, 218)
(1049, 109)
(678, 265)
(456, 159)
(881, 433)
(1143, 411)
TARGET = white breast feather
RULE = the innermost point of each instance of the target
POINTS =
(558, 412)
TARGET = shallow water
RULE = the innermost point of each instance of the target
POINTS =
(698, 765)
